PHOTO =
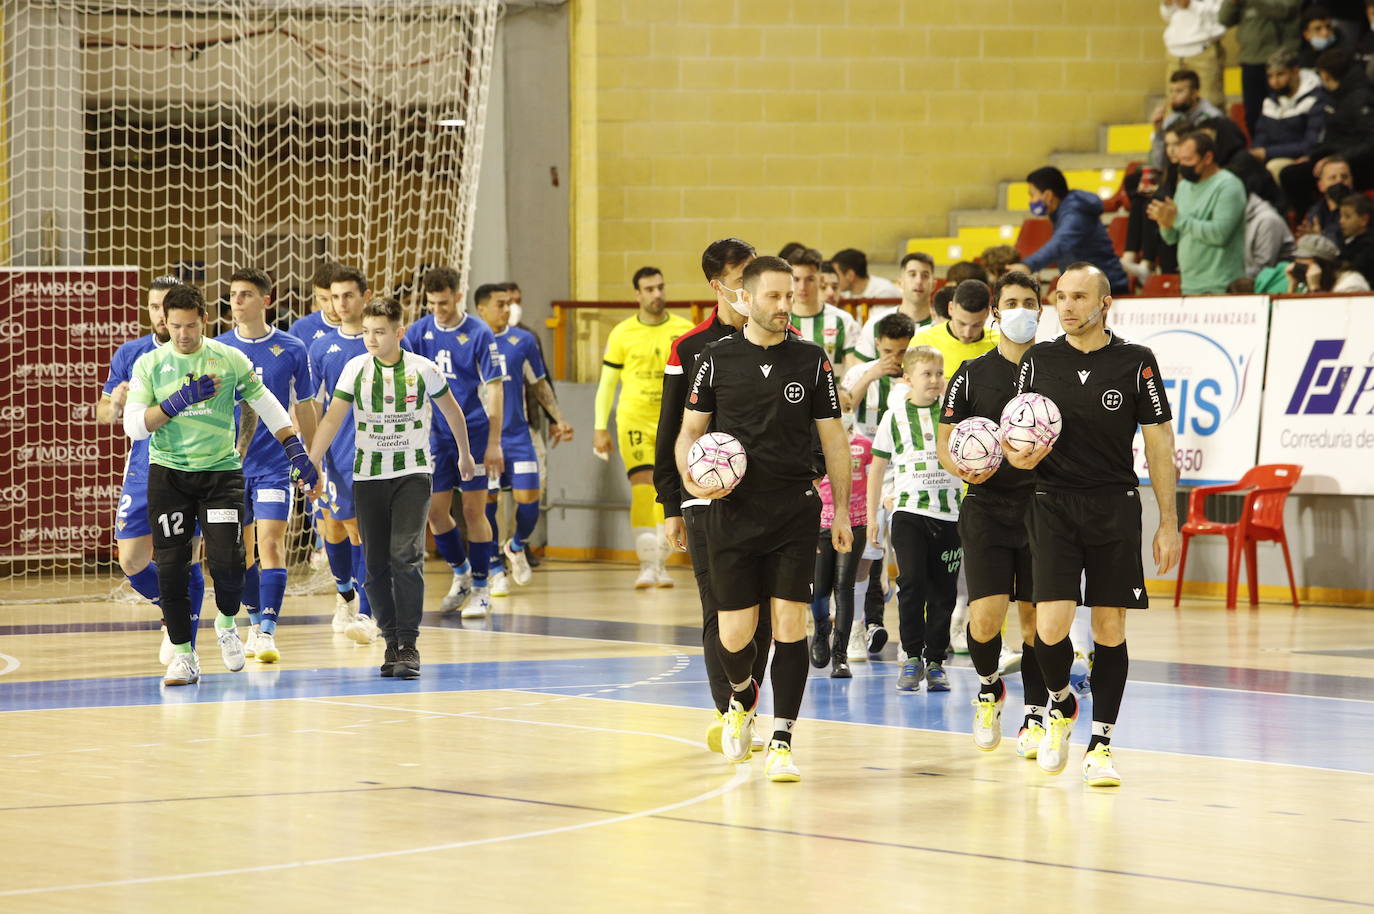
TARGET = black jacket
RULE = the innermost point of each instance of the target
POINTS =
(1359, 253)
(1349, 120)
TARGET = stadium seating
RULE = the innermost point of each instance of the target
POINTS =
(1161, 285)
(1033, 235)
(1261, 518)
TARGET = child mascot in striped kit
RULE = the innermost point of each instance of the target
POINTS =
(390, 390)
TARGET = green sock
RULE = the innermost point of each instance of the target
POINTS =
(222, 622)
(183, 648)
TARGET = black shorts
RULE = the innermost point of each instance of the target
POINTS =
(1098, 535)
(178, 499)
(997, 557)
(762, 546)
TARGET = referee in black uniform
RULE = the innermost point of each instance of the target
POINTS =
(992, 519)
(1085, 513)
(770, 390)
(723, 263)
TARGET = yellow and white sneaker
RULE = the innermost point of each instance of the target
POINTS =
(500, 585)
(266, 648)
(714, 730)
(1098, 770)
(778, 765)
(1054, 745)
(737, 732)
(987, 720)
(1028, 740)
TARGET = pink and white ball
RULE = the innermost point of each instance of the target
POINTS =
(1031, 419)
(717, 461)
(976, 445)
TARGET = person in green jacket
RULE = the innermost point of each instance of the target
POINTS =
(1264, 26)
(1206, 219)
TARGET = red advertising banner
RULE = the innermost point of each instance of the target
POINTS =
(60, 469)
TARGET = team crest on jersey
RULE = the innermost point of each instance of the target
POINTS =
(388, 399)
(463, 338)
(276, 350)
(429, 335)
(512, 339)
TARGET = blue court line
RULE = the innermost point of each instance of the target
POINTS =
(1322, 685)
(1249, 726)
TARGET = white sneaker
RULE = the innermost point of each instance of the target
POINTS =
(165, 651)
(267, 649)
(519, 564)
(1009, 662)
(857, 652)
(499, 584)
(1053, 753)
(662, 578)
(344, 613)
(479, 607)
(319, 560)
(250, 647)
(987, 720)
(648, 577)
(363, 630)
(458, 593)
(736, 740)
(184, 669)
(230, 648)
(778, 765)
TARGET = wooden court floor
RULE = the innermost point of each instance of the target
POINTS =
(551, 758)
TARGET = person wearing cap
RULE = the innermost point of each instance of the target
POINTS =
(1206, 219)
(1316, 267)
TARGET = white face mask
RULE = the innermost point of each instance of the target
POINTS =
(515, 314)
(737, 302)
(1019, 324)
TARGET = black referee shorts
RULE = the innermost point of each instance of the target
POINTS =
(762, 547)
(1096, 535)
(997, 556)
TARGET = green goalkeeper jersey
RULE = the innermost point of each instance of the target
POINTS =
(201, 437)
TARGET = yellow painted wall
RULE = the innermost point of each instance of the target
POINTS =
(834, 122)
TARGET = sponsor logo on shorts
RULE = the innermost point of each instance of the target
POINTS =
(525, 466)
(794, 392)
(277, 496)
(222, 515)
(1112, 400)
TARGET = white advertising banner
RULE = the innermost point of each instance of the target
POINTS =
(1211, 353)
(1319, 394)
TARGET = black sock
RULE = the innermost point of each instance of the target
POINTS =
(789, 672)
(1056, 660)
(738, 665)
(1110, 665)
(1033, 684)
(985, 656)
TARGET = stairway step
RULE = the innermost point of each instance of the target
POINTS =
(1123, 139)
(985, 218)
(1095, 161)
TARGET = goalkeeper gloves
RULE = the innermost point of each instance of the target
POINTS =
(302, 470)
(192, 392)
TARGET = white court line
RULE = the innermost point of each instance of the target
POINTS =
(742, 773)
(10, 664)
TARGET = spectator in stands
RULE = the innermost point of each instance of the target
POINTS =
(1357, 248)
(791, 249)
(965, 269)
(1334, 185)
(1349, 132)
(1364, 47)
(1206, 219)
(998, 259)
(1183, 104)
(939, 302)
(1145, 249)
(1192, 38)
(1265, 27)
(830, 284)
(1320, 34)
(1317, 267)
(1079, 234)
(1268, 239)
(1293, 115)
(851, 266)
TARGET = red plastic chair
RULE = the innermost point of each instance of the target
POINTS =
(1261, 518)
(1033, 235)
(1161, 285)
(1116, 230)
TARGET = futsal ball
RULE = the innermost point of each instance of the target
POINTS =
(717, 460)
(975, 445)
(1031, 419)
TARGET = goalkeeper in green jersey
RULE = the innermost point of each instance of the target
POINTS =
(182, 398)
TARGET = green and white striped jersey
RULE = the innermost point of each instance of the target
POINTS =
(921, 486)
(868, 412)
(391, 412)
(832, 329)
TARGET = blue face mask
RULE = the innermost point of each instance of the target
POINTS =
(1038, 208)
(1322, 42)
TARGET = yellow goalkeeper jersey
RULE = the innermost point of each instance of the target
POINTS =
(639, 351)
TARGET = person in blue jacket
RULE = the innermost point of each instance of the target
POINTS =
(1079, 234)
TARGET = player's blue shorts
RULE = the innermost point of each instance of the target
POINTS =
(444, 450)
(522, 464)
(266, 497)
(131, 517)
(338, 491)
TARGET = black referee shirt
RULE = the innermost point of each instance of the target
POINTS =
(981, 387)
(1102, 396)
(769, 399)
